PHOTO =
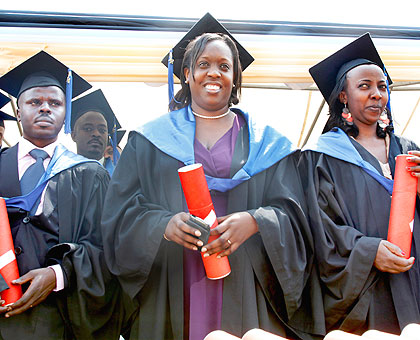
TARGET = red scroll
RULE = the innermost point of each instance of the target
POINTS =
(8, 264)
(401, 220)
(199, 204)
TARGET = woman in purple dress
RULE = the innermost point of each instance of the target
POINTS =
(257, 196)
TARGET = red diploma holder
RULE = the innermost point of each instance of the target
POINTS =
(403, 203)
(199, 204)
(8, 264)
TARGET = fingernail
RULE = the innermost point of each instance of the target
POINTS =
(408, 168)
(203, 250)
(218, 256)
(197, 233)
(194, 248)
(7, 315)
(205, 255)
(199, 243)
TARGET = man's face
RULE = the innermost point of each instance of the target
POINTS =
(1, 134)
(41, 111)
(90, 134)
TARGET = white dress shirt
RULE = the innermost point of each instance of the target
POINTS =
(25, 160)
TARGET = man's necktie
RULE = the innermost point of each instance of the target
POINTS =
(32, 175)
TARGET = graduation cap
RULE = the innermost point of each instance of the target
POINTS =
(328, 72)
(4, 116)
(43, 70)
(96, 101)
(207, 24)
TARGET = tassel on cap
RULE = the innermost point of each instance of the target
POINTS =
(69, 96)
(115, 152)
(388, 105)
(170, 76)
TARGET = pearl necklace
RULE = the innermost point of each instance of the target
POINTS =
(211, 117)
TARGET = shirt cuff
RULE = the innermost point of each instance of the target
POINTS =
(59, 277)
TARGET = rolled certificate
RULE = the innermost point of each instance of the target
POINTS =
(403, 203)
(197, 196)
(8, 264)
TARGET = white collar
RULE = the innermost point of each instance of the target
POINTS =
(25, 146)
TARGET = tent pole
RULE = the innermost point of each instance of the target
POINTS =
(306, 117)
(411, 116)
(313, 123)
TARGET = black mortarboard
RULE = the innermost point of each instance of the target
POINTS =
(94, 101)
(3, 101)
(359, 52)
(42, 70)
(207, 24)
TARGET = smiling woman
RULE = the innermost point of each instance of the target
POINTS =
(251, 170)
(211, 80)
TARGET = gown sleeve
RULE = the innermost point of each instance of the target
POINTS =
(91, 302)
(132, 224)
(344, 255)
(287, 239)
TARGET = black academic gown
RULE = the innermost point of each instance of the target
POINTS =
(68, 233)
(349, 213)
(271, 285)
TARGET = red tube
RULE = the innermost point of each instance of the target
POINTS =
(199, 204)
(8, 264)
(403, 203)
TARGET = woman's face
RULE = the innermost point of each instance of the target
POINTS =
(365, 94)
(211, 86)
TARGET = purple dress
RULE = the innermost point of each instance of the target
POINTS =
(203, 297)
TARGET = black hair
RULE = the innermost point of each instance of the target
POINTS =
(2, 122)
(336, 108)
(192, 52)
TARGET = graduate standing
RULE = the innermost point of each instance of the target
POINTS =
(251, 172)
(94, 127)
(368, 284)
(54, 201)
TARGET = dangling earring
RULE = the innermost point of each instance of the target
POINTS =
(347, 115)
(383, 120)
(186, 81)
